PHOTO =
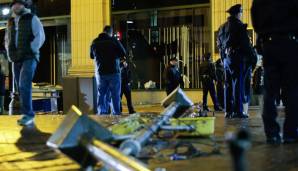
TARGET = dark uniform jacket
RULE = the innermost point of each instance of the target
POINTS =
(207, 71)
(173, 77)
(107, 52)
(220, 72)
(237, 35)
(238, 42)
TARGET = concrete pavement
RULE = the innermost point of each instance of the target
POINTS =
(25, 149)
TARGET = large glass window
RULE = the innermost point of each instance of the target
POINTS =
(152, 37)
(55, 56)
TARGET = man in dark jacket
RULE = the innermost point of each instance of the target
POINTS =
(239, 54)
(24, 37)
(276, 24)
(173, 76)
(208, 76)
(106, 52)
(126, 86)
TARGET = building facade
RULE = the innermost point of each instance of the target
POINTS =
(152, 31)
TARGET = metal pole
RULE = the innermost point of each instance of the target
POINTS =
(178, 128)
(168, 113)
(134, 146)
(114, 159)
(108, 160)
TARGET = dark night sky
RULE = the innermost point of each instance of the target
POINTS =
(142, 4)
(62, 7)
(46, 8)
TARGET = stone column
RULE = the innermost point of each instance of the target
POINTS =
(88, 17)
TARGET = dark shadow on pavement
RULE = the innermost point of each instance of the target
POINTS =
(34, 141)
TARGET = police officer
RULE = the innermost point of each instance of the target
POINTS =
(126, 86)
(278, 43)
(249, 64)
(173, 76)
(238, 52)
(208, 76)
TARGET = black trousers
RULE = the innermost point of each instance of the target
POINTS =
(170, 88)
(220, 93)
(126, 90)
(281, 70)
(234, 88)
(209, 87)
(280, 98)
(246, 90)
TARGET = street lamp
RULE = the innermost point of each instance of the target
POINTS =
(5, 11)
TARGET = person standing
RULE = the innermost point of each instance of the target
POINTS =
(220, 81)
(246, 90)
(258, 83)
(4, 72)
(277, 41)
(173, 76)
(208, 76)
(107, 52)
(24, 37)
(126, 86)
(238, 53)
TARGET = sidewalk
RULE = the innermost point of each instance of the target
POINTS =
(25, 149)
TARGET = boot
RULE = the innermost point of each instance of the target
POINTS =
(132, 111)
(229, 115)
(217, 108)
(205, 108)
(245, 109)
(241, 116)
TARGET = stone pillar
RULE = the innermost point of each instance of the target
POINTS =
(219, 15)
(88, 17)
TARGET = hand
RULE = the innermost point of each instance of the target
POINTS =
(125, 64)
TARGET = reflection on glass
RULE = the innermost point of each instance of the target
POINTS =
(153, 37)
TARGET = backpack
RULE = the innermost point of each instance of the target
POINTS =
(222, 37)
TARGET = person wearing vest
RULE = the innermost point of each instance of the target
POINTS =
(24, 37)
